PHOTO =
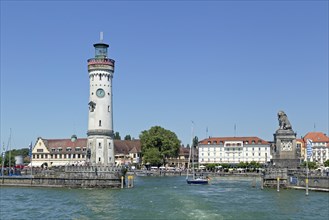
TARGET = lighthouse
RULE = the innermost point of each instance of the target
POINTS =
(100, 144)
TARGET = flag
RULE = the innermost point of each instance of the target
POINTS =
(309, 148)
(30, 150)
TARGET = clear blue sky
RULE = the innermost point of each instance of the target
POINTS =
(218, 63)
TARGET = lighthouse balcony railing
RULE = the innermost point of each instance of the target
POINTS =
(103, 61)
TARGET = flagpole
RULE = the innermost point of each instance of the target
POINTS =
(306, 181)
(308, 155)
(3, 162)
(31, 161)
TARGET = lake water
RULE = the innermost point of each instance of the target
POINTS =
(165, 198)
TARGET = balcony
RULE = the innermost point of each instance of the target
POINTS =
(101, 61)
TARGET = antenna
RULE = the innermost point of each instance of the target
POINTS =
(234, 130)
(101, 36)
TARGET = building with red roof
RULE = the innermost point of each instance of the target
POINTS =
(233, 150)
(320, 146)
(61, 152)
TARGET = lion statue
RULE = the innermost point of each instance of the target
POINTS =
(284, 123)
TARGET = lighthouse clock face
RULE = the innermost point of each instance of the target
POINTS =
(100, 93)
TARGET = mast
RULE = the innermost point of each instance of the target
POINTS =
(190, 155)
(8, 146)
(192, 147)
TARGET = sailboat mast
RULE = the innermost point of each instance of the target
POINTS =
(192, 149)
(8, 146)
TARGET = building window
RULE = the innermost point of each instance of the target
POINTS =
(246, 142)
(84, 149)
(40, 150)
(37, 156)
(253, 142)
(78, 149)
(100, 123)
(59, 149)
(68, 149)
(53, 149)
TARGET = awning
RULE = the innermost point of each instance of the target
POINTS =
(36, 164)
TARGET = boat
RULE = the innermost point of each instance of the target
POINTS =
(194, 178)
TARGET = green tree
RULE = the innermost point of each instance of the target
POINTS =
(311, 165)
(117, 136)
(326, 163)
(153, 157)
(211, 166)
(242, 165)
(195, 141)
(128, 137)
(254, 164)
(164, 141)
(12, 160)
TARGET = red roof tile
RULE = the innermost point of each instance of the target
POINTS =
(316, 137)
(224, 139)
(120, 146)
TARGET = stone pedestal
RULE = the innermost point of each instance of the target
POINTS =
(285, 151)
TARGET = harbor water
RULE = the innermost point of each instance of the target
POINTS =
(165, 198)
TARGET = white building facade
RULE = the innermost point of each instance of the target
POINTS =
(320, 147)
(233, 150)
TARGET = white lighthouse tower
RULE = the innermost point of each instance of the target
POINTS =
(100, 122)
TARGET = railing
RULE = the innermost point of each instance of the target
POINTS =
(103, 61)
(91, 169)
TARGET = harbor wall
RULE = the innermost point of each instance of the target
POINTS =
(73, 177)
